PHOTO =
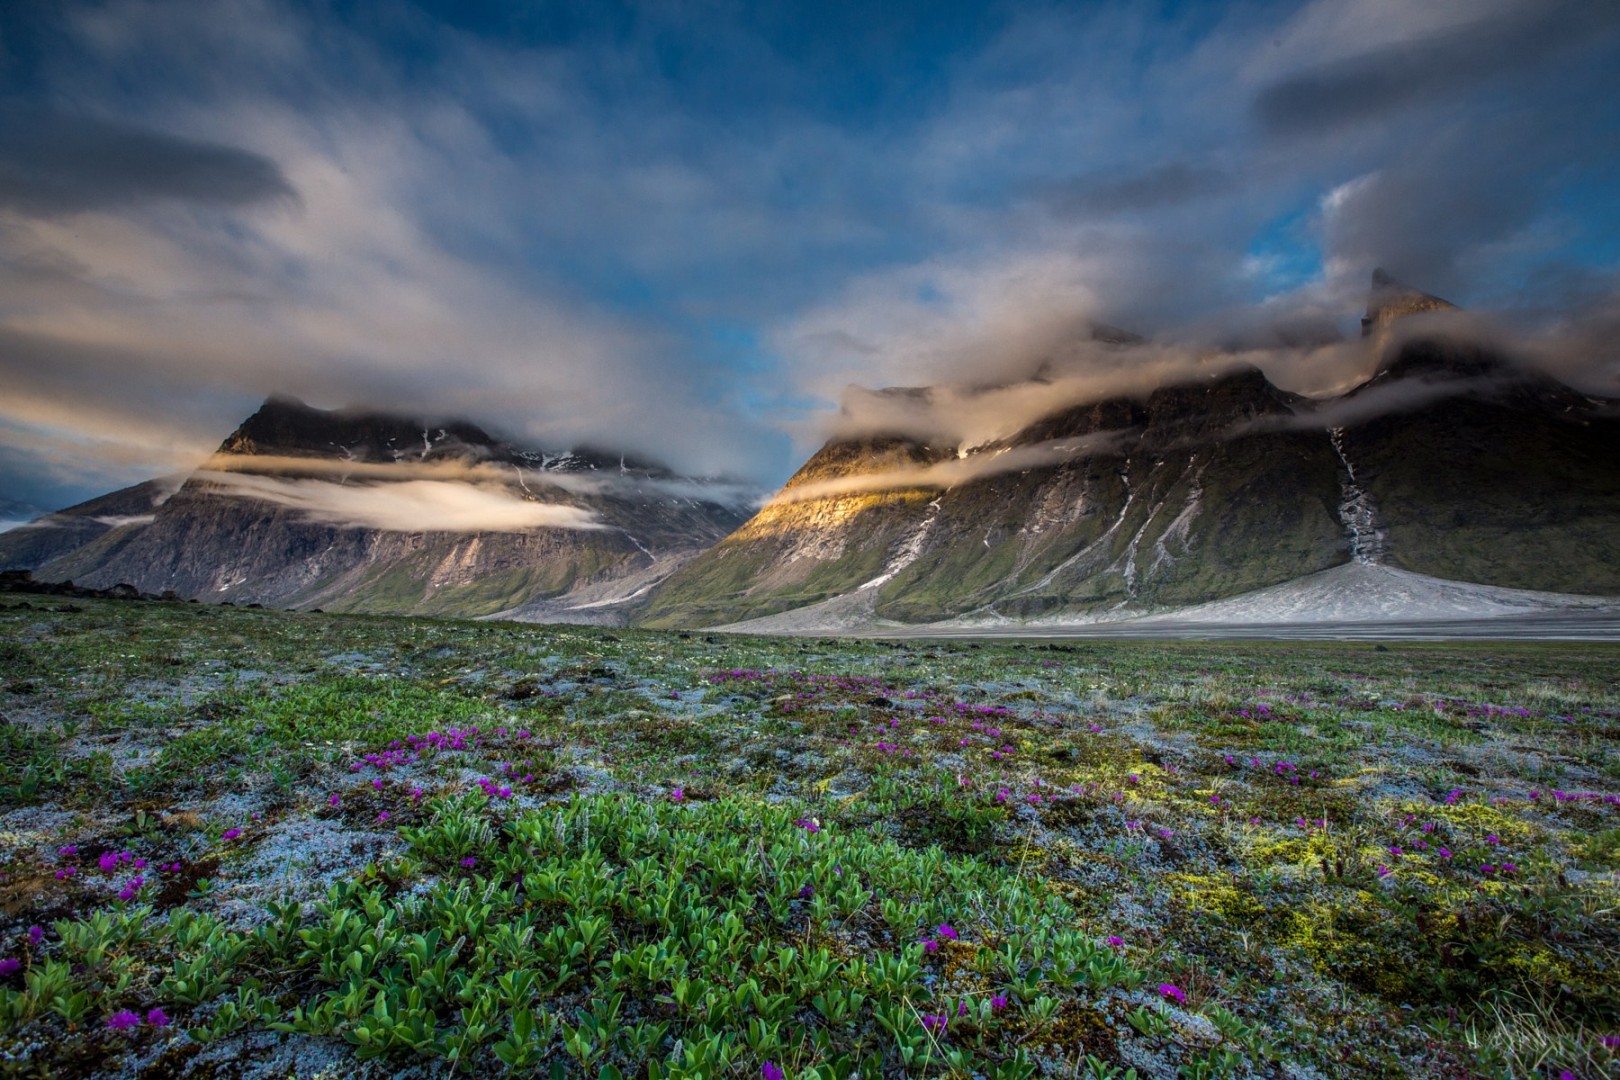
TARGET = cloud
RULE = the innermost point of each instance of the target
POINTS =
(411, 506)
(484, 473)
(1424, 69)
(1163, 185)
(686, 239)
(58, 163)
(956, 471)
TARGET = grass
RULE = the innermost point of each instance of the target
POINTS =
(303, 844)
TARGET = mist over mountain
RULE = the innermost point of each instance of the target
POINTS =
(1451, 460)
(364, 511)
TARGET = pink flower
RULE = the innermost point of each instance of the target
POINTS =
(334, 800)
(230, 834)
(678, 795)
(1116, 941)
(946, 931)
(930, 945)
(998, 1002)
(1172, 992)
(122, 1019)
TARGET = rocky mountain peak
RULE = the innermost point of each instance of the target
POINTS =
(286, 426)
(1390, 300)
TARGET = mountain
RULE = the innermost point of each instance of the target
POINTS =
(35, 543)
(1449, 462)
(306, 507)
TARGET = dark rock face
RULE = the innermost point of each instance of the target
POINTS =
(1449, 461)
(206, 544)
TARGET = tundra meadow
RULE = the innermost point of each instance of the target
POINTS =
(250, 843)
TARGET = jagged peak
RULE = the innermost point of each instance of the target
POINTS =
(1389, 299)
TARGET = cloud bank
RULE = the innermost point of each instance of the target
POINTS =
(408, 506)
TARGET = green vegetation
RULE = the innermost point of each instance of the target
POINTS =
(345, 845)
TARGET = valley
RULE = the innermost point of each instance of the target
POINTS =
(243, 842)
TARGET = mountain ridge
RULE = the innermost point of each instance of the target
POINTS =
(1444, 463)
(247, 526)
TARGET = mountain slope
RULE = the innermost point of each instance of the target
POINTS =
(30, 546)
(265, 523)
(1448, 462)
(1177, 473)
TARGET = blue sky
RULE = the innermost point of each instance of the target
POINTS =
(686, 228)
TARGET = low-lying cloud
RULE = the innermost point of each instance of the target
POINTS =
(956, 471)
(485, 473)
(408, 506)
(1581, 353)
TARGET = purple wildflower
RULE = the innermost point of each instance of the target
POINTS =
(930, 945)
(679, 795)
(1115, 941)
(946, 931)
(230, 834)
(122, 1019)
(1172, 992)
(771, 1071)
(935, 1022)
(469, 862)
(36, 934)
(9, 967)
(998, 1002)
(157, 1018)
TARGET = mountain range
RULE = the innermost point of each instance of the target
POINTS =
(1449, 462)
(304, 507)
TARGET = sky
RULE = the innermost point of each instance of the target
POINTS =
(687, 229)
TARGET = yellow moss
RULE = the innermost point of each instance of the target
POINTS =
(1329, 938)
(1218, 895)
(1484, 819)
